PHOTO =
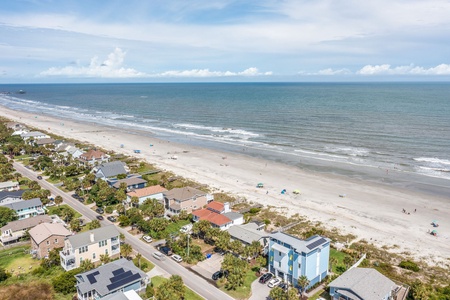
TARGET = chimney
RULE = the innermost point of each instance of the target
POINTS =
(226, 207)
(92, 237)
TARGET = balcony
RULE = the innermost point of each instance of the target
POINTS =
(67, 259)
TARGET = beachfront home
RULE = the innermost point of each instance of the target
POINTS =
(13, 231)
(219, 215)
(9, 186)
(111, 170)
(35, 135)
(291, 257)
(367, 284)
(94, 157)
(45, 237)
(150, 192)
(132, 183)
(27, 208)
(249, 233)
(45, 141)
(10, 197)
(90, 245)
(104, 282)
(187, 199)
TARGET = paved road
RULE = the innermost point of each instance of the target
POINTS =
(191, 280)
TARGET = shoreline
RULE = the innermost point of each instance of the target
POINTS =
(370, 210)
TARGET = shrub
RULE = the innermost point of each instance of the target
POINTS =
(254, 210)
(109, 209)
(409, 265)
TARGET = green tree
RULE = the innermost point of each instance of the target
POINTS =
(347, 261)
(75, 225)
(303, 282)
(172, 289)
(67, 214)
(200, 228)
(58, 200)
(104, 258)
(138, 257)
(237, 269)
(158, 224)
(277, 293)
(135, 201)
(52, 259)
(120, 195)
(3, 275)
(419, 291)
(66, 282)
(125, 250)
(236, 247)
(223, 240)
(7, 215)
(292, 294)
(94, 224)
(87, 265)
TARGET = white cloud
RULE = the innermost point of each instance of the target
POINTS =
(385, 69)
(109, 68)
(330, 71)
(208, 73)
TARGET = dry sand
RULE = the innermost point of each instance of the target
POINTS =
(370, 211)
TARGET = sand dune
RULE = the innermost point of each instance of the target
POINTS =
(370, 211)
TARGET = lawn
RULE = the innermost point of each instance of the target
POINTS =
(320, 294)
(57, 210)
(144, 262)
(339, 257)
(190, 295)
(18, 259)
(244, 291)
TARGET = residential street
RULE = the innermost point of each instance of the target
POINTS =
(191, 280)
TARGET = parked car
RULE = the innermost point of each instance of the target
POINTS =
(81, 199)
(177, 258)
(265, 277)
(186, 228)
(274, 282)
(112, 219)
(220, 274)
(284, 286)
(99, 210)
(100, 218)
(166, 250)
(147, 238)
(158, 255)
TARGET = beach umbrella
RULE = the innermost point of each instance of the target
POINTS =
(434, 232)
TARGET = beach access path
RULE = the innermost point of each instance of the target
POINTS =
(371, 211)
(190, 279)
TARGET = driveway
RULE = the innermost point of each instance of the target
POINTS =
(259, 291)
(209, 266)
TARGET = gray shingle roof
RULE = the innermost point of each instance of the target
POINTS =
(109, 278)
(26, 223)
(183, 194)
(112, 169)
(232, 215)
(364, 283)
(129, 181)
(305, 246)
(24, 204)
(100, 234)
(13, 194)
(247, 233)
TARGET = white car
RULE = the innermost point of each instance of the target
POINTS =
(274, 282)
(147, 238)
(177, 258)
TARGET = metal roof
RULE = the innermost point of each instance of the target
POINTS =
(300, 246)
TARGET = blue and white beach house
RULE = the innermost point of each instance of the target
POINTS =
(291, 257)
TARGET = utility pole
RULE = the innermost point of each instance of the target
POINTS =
(188, 244)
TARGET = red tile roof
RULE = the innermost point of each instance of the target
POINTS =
(147, 191)
(212, 217)
(217, 206)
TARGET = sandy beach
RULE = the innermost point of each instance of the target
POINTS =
(370, 211)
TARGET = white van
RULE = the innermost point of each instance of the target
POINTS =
(158, 256)
(186, 228)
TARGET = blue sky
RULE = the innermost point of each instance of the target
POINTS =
(261, 40)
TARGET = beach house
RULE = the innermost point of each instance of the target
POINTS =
(45, 237)
(13, 231)
(9, 186)
(132, 183)
(150, 192)
(26, 208)
(367, 284)
(249, 233)
(90, 245)
(34, 135)
(219, 215)
(186, 198)
(10, 196)
(110, 170)
(107, 281)
(291, 257)
(94, 157)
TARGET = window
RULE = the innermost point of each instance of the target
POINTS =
(279, 264)
(83, 249)
(103, 243)
(279, 253)
(56, 241)
(48, 242)
(93, 255)
(106, 251)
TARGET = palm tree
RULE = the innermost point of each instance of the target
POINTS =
(138, 257)
(122, 236)
(125, 250)
(135, 201)
(303, 282)
(277, 293)
(104, 258)
(292, 294)
(87, 265)
(58, 200)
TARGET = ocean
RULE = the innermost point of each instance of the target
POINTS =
(360, 130)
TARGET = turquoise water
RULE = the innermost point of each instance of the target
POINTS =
(353, 129)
